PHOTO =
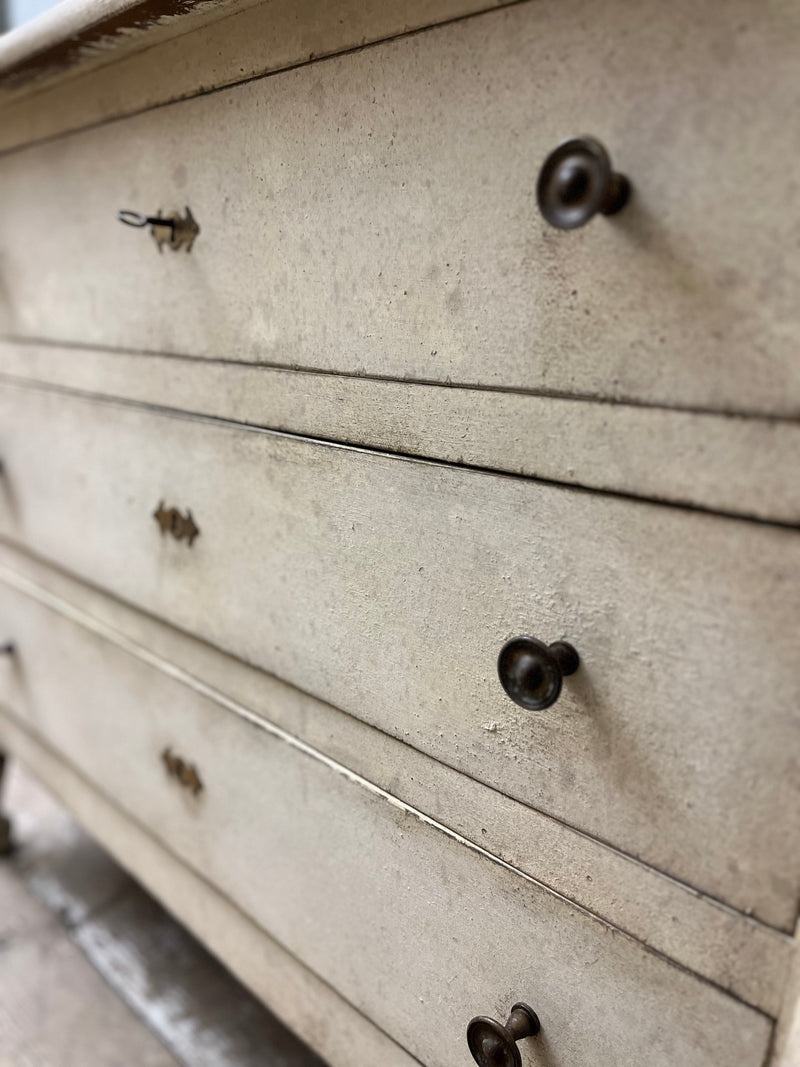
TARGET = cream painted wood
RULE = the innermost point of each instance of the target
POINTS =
(352, 882)
(375, 212)
(786, 1051)
(342, 1035)
(387, 587)
(737, 465)
(168, 63)
(733, 951)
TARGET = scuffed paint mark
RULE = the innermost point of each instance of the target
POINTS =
(99, 39)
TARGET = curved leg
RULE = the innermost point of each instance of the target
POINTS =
(6, 844)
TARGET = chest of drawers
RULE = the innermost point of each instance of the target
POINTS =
(277, 490)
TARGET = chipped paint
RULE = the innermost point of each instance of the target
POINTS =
(97, 40)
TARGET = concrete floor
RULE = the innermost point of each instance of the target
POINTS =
(94, 973)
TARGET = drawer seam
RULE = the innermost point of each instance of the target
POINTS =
(32, 588)
(446, 384)
(235, 83)
(203, 689)
(408, 457)
(36, 739)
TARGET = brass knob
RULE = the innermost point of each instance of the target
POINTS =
(495, 1045)
(531, 671)
(576, 181)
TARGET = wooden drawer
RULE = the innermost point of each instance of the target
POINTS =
(375, 213)
(351, 881)
(387, 587)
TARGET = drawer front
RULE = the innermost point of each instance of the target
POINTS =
(376, 213)
(353, 882)
(388, 587)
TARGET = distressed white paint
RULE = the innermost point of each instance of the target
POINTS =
(731, 950)
(742, 466)
(376, 212)
(352, 881)
(388, 586)
(64, 20)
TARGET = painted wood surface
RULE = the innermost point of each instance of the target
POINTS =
(387, 587)
(353, 882)
(743, 466)
(786, 1046)
(736, 952)
(300, 998)
(733, 951)
(375, 213)
(129, 57)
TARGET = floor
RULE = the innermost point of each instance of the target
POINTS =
(94, 973)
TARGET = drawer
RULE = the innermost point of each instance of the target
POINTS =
(375, 213)
(351, 881)
(387, 587)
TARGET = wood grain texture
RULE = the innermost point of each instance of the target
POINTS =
(305, 1003)
(376, 212)
(675, 742)
(726, 463)
(737, 953)
(352, 882)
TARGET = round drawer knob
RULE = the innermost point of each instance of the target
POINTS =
(531, 671)
(576, 181)
(7, 648)
(495, 1045)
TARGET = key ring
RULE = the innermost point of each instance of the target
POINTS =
(173, 230)
(134, 218)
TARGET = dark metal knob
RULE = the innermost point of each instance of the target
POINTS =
(495, 1045)
(531, 671)
(576, 181)
(7, 648)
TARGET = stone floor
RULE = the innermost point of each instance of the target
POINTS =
(94, 973)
